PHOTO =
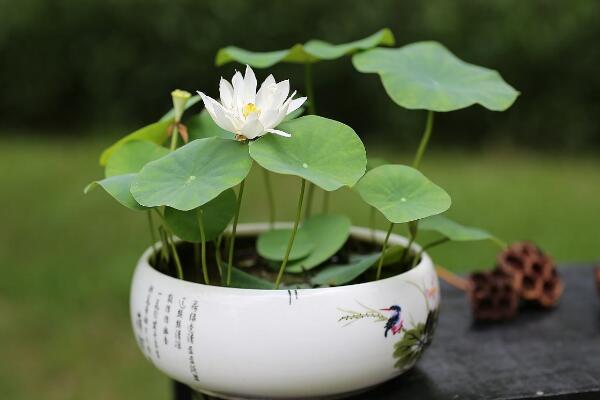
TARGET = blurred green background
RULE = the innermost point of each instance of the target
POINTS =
(75, 75)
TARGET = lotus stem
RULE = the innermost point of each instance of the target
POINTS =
(218, 257)
(428, 246)
(174, 134)
(203, 246)
(176, 257)
(503, 245)
(270, 197)
(309, 199)
(233, 231)
(311, 109)
(308, 82)
(152, 234)
(383, 248)
(424, 140)
(292, 237)
(406, 252)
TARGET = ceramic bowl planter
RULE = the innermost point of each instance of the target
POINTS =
(285, 344)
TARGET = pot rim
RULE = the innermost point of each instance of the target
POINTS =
(254, 228)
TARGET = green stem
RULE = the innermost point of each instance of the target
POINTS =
(308, 82)
(434, 244)
(203, 244)
(424, 140)
(174, 135)
(383, 248)
(164, 236)
(152, 234)
(270, 197)
(429, 246)
(292, 237)
(218, 257)
(176, 257)
(309, 199)
(164, 248)
(499, 242)
(407, 249)
(233, 230)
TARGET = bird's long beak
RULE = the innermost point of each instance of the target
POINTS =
(385, 309)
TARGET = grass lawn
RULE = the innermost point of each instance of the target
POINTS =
(67, 258)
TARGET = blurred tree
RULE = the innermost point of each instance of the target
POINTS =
(76, 64)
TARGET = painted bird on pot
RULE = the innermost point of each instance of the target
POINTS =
(395, 322)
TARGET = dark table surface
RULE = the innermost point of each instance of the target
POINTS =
(539, 355)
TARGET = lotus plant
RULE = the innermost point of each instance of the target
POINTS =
(189, 186)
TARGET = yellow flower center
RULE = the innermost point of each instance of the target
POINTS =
(249, 109)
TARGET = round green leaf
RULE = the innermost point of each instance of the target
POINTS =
(156, 132)
(216, 215)
(453, 230)
(336, 275)
(328, 232)
(327, 51)
(322, 151)
(273, 244)
(312, 51)
(402, 193)
(427, 76)
(132, 156)
(118, 187)
(193, 174)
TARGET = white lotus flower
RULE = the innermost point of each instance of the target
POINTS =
(248, 113)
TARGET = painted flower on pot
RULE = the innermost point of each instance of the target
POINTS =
(414, 341)
(249, 113)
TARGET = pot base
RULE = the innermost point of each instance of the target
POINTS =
(332, 397)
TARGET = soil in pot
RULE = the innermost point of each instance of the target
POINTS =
(247, 259)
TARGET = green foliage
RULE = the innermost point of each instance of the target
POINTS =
(414, 341)
(156, 132)
(312, 51)
(336, 275)
(272, 244)
(427, 76)
(132, 156)
(242, 280)
(453, 230)
(216, 215)
(328, 232)
(402, 194)
(122, 167)
(193, 174)
(118, 187)
(322, 151)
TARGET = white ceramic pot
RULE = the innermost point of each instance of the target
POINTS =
(285, 344)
